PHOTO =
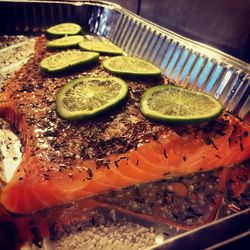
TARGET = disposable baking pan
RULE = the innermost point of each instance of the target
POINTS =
(185, 62)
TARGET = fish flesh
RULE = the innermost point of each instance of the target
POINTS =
(66, 161)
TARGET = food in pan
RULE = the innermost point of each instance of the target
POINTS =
(130, 66)
(90, 96)
(168, 103)
(63, 29)
(69, 160)
(67, 60)
(101, 45)
(65, 42)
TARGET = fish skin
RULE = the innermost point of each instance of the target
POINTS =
(43, 181)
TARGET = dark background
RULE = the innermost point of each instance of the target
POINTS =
(223, 24)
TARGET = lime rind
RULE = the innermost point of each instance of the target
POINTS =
(65, 42)
(64, 100)
(67, 60)
(64, 29)
(102, 46)
(130, 66)
(193, 106)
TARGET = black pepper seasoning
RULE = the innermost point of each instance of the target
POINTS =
(241, 147)
(165, 153)
(90, 173)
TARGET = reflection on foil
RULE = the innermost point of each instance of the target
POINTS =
(11, 155)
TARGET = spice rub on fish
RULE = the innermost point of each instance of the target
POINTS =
(66, 161)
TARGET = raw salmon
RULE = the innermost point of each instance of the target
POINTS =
(66, 161)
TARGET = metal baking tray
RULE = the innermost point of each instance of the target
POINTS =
(186, 62)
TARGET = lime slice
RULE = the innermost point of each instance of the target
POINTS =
(90, 96)
(173, 104)
(64, 29)
(67, 60)
(126, 65)
(102, 46)
(65, 42)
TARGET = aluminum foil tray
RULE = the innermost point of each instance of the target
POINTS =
(187, 63)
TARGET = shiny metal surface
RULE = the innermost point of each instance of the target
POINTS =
(222, 231)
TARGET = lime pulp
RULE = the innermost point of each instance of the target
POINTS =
(64, 29)
(168, 103)
(126, 65)
(90, 96)
(67, 59)
(65, 42)
(101, 45)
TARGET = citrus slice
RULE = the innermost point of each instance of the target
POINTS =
(65, 42)
(126, 65)
(64, 29)
(102, 46)
(67, 60)
(90, 96)
(168, 103)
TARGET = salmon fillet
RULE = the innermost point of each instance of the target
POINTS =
(66, 161)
